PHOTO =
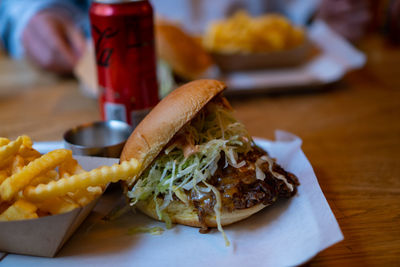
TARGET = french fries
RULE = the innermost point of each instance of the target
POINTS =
(100, 176)
(85, 196)
(57, 205)
(4, 141)
(8, 150)
(45, 178)
(34, 185)
(3, 175)
(20, 210)
(13, 184)
(244, 34)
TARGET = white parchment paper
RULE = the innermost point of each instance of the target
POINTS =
(288, 233)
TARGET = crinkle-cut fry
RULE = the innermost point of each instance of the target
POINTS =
(70, 167)
(51, 175)
(57, 205)
(100, 176)
(20, 210)
(26, 141)
(10, 187)
(29, 153)
(10, 149)
(86, 195)
(95, 189)
(18, 164)
(30, 159)
(4, 141)
(4, 174)
(6, 164)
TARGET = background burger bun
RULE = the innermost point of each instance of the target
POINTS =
(158, 128)
(186, 56)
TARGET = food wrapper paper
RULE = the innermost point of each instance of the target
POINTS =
(288, 233)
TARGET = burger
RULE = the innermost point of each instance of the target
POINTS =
(200, 166)
(183, 54)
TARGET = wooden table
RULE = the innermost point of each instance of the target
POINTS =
(351, 135)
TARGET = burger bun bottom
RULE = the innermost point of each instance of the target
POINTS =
(186, 214)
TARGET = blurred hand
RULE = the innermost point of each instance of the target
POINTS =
(52, 41)
(349, 18)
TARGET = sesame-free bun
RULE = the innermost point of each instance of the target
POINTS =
(185, 214)
(167, 118)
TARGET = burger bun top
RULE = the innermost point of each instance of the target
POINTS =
(167, 118)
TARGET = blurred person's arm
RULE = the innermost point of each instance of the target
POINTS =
(349, 18)
(46, 31)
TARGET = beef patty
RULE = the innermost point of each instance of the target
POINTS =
(240, 188)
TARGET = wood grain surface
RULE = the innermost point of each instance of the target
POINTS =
(350, 132)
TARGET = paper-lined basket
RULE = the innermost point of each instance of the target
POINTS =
(45, 236)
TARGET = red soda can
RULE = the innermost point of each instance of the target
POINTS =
(123, 36)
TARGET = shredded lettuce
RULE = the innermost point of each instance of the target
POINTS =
(217, 210)
(145, 230)
(165, 79)
(214, 133)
